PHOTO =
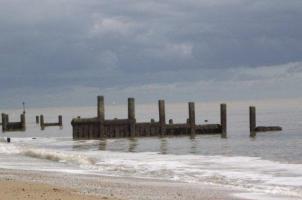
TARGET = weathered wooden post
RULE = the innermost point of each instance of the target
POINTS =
(101, 116)
(131, 116)
(4, 122)
(252, 121)
(42, 122)
(60, 119)
(37, 119)
(223, 120)
(23, 122)
(192, 118)
(170, 121)
(162, 117)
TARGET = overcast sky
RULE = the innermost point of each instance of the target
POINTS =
(66, 52)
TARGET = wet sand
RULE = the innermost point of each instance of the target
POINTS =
(17, 184)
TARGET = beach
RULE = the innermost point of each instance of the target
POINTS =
(13, 190)
(16, 184)
(160, 168)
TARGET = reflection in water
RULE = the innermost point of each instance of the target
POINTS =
(193, 148)
(132, 145)
(102, 145)
(163, 146)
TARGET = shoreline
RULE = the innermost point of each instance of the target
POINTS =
(101, 187)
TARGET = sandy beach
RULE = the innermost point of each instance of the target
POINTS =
(13, 190)
(61, 186)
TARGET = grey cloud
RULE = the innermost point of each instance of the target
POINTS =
(59, 45)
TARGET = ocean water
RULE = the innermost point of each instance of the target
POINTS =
(269, 165)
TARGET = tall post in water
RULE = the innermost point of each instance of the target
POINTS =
(101, 116)
(162, 117)
(252, 121)
(37, 119)
(223, 120)
(131, 116)
(42, 122)
(23, 121)
(192, 118)
(60, 118)
(4, 122)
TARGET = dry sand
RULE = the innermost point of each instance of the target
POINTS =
(19, 190)
(64, 186)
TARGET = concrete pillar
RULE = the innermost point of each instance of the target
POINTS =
(170, 121)
(162, 117)
(23, 121)
(101, 116)
(192, 117)
(37, 119)
(42, 122)
(131, 116)
(252, 121)
(60, 119)
(223, 120)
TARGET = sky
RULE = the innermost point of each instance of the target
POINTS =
(66, 52)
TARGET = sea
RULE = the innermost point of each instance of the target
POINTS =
(269, 165)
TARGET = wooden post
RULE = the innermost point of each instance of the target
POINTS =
(101, 116)
(252, 121)
(4, 122)
(23, 121)
(162, 117)
(223, 120)
(192, 118)
(60, 119)
(42, 122)
(37, 119)
(131, 116)
(170, 121)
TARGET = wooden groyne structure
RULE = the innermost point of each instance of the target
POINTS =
(254, 128)
(44, 124)
(99, 127)
(13, 126)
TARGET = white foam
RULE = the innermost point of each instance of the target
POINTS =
(249, 173)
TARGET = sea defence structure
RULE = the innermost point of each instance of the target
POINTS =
(13, 126)
(254, 129)
(99, 127)
(43, 124)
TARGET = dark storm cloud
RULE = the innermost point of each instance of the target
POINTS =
(67, 44)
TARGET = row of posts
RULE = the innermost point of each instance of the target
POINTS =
(40, 120)
(162, 117)
(5, 122)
